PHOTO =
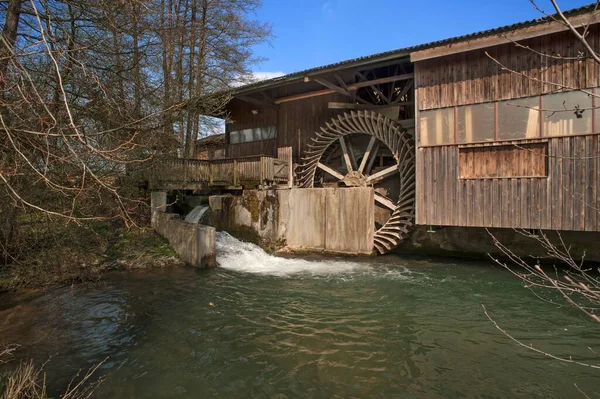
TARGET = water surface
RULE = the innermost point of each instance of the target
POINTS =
(270, 327)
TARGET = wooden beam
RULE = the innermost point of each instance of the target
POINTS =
(384, 201)
(331, 171)
(405, 90)
(331, 86)
(389, 79)
(382, 174)
(335, 105)
(341, 81)
(267, 98)
(363, 163)
(346, 155)
(254, 101)
(302, 96)
(352, 156)
(372, 160)
(504, 38)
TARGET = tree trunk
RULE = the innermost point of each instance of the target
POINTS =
(9, 36)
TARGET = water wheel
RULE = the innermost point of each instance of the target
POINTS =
(367, 149)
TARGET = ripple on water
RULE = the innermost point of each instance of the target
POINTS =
(262, 326)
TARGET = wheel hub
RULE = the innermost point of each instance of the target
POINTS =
(354, 179)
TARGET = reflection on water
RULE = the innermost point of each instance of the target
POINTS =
(261, 326)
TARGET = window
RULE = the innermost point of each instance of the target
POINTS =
(567, 113)
(475, 123)
(513, 160)
(519, 118)
(249, 135)
(559, 114)
(437, 127)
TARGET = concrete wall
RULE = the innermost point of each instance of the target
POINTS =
(194, 243)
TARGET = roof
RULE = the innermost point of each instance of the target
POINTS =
(212, 140)
(404, 52)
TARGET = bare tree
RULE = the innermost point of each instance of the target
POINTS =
(90, 90)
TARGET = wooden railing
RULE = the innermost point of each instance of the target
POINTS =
(246, 171)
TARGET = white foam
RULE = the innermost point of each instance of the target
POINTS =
(233, 254)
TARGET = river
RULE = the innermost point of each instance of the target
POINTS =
(268, 327)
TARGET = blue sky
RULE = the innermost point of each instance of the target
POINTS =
(310, 33)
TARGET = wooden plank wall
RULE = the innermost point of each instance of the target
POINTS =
(296, 121)
(568, 199)
(473, 77)
(241, 117)
(261, 147)
(299, 120)
(518, 160)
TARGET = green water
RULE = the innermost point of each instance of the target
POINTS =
(325, 328)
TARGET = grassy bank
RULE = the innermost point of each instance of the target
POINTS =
(53, 254)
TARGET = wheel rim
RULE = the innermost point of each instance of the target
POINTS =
(383, 131)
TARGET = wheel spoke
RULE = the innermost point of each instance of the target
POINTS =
(351, 153)
(372, 160)
(382, 174)
(385, 201)
(331, 171)
(363, 163)
(346, 155)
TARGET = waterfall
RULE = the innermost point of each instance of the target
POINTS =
(196, 214)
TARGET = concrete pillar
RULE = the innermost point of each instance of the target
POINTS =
(158, 203)
(206, 241)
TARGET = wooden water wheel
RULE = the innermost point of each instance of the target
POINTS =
(367, 149)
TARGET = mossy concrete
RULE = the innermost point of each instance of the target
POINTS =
(194, 243)
(252, 216)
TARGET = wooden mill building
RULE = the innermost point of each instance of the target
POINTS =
(498, 128)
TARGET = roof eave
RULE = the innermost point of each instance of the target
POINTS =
(299, 77)
(510, 36)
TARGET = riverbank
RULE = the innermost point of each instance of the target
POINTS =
(73, 254)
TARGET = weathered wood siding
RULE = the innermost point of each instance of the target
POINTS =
(473, 77)
(568, 199)
(296, 121)
(501, 161)
(240, 118)
(261, 147)
(299, 120)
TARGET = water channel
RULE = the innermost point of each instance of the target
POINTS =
(267, 327)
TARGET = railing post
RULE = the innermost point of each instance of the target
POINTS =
(235, 172)
(262, 170)
(184, 173)
(290, 166)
